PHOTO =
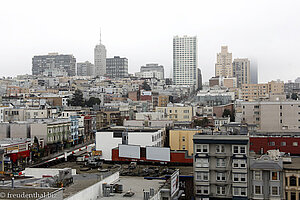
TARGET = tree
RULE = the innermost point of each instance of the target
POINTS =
(201, 122)
(93, 101)
(294, 96)
(145, 86)
(77, 99)
(226, 113)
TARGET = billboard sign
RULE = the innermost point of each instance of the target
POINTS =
(174, 183)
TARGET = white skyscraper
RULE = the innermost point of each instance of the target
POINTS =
(185, 61)
(100, 59)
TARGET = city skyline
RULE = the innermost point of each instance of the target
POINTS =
(254, 32)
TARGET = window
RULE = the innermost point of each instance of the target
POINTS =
(271, 143)
(202, 162)
(220, 149)
(202, 176)
(202, 189)
(221, 177)
(257, 175)
(183, 138)
(274, 176)
(295, 144)
(242, 150)
(221, 162)
(257, 189)
(243, 192)
(283, 143)
(183, 147)
(274, 190)
(243, 177)
(235, 149)
(201, 148)
(235, 178)
(293, 181)
(235, 191)
(239, 163)
(220, 190)
(186, 111)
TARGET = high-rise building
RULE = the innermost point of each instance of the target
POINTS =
(85, 69)
(199, 79)
(117, 67)
(241, 70)
(185, 61)
(253, 71)
(60, 62)
(223, 67)
(100, 59)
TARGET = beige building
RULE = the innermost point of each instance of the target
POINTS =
(251, 92)
(177, 113)
(182, 139)
(223, 67)
(292, 179)
(241, 70)
(272, 116)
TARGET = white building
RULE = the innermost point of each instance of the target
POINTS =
(107, 140)
(85, 69)
(100, 59)
(223, 67)
(185, 60)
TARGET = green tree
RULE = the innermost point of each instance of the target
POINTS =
(145, 86)
(201, 122)
(226, 113)
(92, 101)
(294, 96)
(77, 99)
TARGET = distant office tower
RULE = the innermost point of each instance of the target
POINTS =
(223, 66)
(43, 63)
(185, 60)
(241, 70)
(117, 67)
(253, 72)
(85, 69)
(100, 59)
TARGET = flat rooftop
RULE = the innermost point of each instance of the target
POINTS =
(136, 185)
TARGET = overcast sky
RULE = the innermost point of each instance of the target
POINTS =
(142, 31)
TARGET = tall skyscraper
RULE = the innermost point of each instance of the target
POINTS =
(117, 67)
(85, 69)
(185, 61)
(100, 59)
(241, 70)
(223, 67)
(53, 62)
(254, 71)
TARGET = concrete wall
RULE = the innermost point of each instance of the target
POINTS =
(95, 191)
(19, 130)
(4, 129)
(105, 142)
(40, 131)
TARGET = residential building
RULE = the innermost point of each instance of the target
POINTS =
(266, 173)
(177, 113)
(215, 97)
(117, 67)
(185, 60)
(163, 100)
(292, 179)
(228, 82)
(253, 71)
(272, 116)
(221, 166)
(250, 92)
(223, 67)
(85, 69)
(54, 60)
(241, 70)
(151, 71)
(100, 59)
(182, 139)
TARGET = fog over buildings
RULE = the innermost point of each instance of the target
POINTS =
(249, 28)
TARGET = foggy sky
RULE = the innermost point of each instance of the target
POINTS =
(142, 31)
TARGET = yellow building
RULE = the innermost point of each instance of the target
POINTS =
(182, 139)
(163, 100)
(177, 113)
(250, 92)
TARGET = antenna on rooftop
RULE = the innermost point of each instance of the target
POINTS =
(100, 35)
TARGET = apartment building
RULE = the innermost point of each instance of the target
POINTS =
(276, 116)
(177, 113)
(266, 173)
(221, 166)
(250, 92)
(241, 70)
(182, 139)
(292, 179)
(223, 67)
